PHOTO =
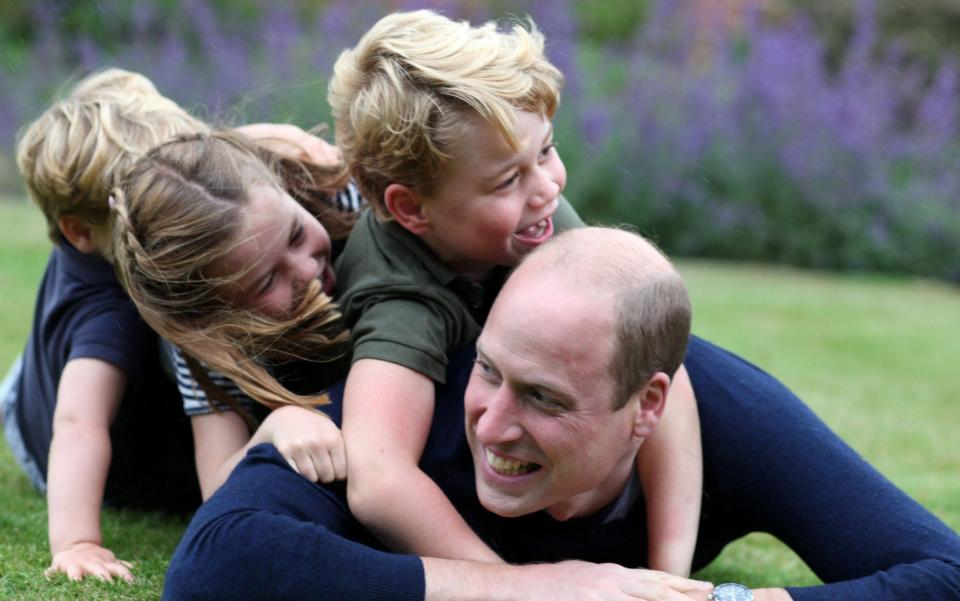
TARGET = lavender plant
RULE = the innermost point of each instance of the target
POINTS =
(732, 137)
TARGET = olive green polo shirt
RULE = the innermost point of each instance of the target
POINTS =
(403, 305)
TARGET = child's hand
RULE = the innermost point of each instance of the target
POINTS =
(89, 559)
(310, 442)
(291, 141)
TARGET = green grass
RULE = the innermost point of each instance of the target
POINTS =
(875, 357)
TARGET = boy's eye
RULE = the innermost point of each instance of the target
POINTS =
(545, 151)
(509, 181)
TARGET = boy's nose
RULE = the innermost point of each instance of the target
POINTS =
(544, 189)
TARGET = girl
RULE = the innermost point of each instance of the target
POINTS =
(230, 268)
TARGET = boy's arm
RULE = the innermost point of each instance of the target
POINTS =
(387, 412)
(670, 464)
(88, 396)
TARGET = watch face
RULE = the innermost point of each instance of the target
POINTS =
(732, 592)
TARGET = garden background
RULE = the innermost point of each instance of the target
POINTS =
(805, 133)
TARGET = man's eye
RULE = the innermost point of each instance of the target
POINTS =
(544, 402)
(485, 368)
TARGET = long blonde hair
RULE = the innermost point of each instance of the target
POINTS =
(401, 96)
(177, 211)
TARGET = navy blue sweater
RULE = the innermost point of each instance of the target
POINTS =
(769, 465)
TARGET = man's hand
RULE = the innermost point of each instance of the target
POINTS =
(89, 559)
(450, 580)
(579, 581)
(309, 441)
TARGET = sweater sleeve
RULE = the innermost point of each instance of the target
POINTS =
(771, 464)
(268, 533)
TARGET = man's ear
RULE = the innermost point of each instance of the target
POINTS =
(406, 207)
(651, 400)
(78, 233)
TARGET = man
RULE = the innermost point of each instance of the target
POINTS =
(551, 452)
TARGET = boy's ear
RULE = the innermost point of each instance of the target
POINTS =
(406, 207)
(650, 402)
(78, 233)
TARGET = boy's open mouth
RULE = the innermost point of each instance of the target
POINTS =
(537, 233)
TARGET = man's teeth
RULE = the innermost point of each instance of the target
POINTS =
(536, 230)
(509, 467)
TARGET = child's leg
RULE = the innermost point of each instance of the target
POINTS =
(9, 396)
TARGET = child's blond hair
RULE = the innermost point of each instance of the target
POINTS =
(178, 210)
(402, 95)
(74, 153)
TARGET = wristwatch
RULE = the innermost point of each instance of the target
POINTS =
(729, 591)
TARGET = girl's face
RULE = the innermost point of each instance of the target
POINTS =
(280, 247)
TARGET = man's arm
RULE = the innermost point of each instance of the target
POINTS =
(387, 413)
(771, 465)
(88, 396)
(270, 534)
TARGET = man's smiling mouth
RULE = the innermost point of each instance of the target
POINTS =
(509, 467)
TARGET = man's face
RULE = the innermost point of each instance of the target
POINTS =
(539, 405)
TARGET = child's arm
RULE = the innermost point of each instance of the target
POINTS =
(88, 397)
(670, 464)
(308, 439)
(291, 141)
(387, 411)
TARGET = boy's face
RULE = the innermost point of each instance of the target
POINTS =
(494, 204)
(280, 248)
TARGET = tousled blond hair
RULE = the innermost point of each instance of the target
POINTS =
(402, 97)
(74, 153)
(178, 210)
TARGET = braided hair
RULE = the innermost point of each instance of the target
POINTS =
(177, 211)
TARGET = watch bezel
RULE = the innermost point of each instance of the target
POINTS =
(729, 585)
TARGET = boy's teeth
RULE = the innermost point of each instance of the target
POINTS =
(536, 229)
(509, 467)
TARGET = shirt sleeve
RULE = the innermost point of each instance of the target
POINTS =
(414, 333)
(115, 334)
(195, 401)
(566, 217)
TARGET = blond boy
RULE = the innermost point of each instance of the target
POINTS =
(446, 128)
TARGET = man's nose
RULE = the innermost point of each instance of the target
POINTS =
(500, 421)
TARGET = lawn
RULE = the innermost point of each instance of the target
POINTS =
(875, 357)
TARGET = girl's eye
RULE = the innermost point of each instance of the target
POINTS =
(267, 284)
(297, 236)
